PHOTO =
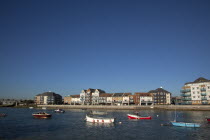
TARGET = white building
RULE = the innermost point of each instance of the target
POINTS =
(197, 92)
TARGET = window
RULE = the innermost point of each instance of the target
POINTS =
(208, 87)
(198, 96)
(197, 87)
(193, 96)
(193, 88)
(198, 92)
(193, 92)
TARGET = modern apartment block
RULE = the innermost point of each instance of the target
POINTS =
(197, 92)
(47, 98)
(161, 96)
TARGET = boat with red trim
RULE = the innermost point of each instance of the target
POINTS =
(208, 119)
(41, 115)
(99, 119)
(133, 116)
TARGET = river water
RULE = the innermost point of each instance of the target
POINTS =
(20, 125)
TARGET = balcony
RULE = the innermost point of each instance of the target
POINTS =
(203, 98)
(204, 103)
(187, 99)
(203, 89)
(186, 94)
(203, 94)
(187, 103)
(185, 90)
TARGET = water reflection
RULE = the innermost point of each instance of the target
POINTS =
(91, 125)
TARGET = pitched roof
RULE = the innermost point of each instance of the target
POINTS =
(105, 95)
(158, 90)
(117, 95)
(199, 80)
(75, 96)
(143, 94)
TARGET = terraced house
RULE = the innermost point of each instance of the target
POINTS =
(197, 92)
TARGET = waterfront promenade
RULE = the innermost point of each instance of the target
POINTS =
(133, 107)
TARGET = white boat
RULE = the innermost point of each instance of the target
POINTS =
(44, 108)
(59, 111)
(31, 107)
(99, 119)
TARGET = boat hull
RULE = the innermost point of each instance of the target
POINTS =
(131, 116)
(183, 124)
(99, 120)
(42, 115)
(208, 119)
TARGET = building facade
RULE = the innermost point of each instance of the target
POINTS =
(48, 98)
(197, 92)
(90, 96)
(161, 96)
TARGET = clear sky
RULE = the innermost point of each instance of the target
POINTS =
(115, 45)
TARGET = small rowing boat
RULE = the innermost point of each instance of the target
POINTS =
(99, 119)
(133, 116)
(183, 124)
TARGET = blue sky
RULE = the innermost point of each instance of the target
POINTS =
(115, 45)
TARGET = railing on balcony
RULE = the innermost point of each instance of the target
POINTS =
(203, 94)
(203, 98)
(186, 94)
(204, 103)
(203, 89)
(187, 103)
(186, 99)
(185, 90)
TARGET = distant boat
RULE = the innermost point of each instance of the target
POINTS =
(59, 111)
(208, 119)
(184, 124)
(99, 119)
(44, 108)
(133, 116)
(3, 115)
(31, 107)
(41, 115)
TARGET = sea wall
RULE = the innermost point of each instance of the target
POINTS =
(132, 107)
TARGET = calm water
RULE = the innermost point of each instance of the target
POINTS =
(20, 125)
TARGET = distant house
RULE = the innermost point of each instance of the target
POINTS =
(177, 100)
(75, 99)
(7, 101)
(161, 96)
(144, 98)
(48, 98)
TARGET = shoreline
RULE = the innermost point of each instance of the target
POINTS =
(132, 107)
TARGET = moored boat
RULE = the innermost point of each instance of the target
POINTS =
(133, 116)
(208, 119)
(99, 119)
(3, 115)
(41, 115)
(183, 124)
(59, 111)
(31, 107)
(44, 108)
